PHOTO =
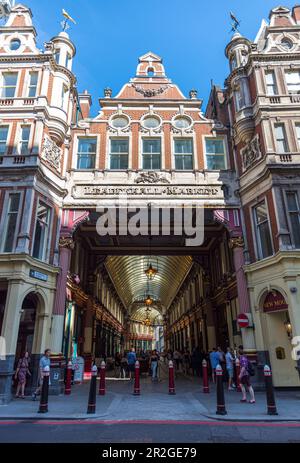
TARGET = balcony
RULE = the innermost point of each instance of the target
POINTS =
(285, 100)
(17, 102)
(18, 160)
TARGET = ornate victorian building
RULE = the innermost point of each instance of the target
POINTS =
(68, 285)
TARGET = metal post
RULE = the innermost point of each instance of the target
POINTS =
(272, 410)
(221, 410)
(102, 379)
(92, 395)
(171, 378)
(45, 390)
(68, 378)
(205, 377)
(137, 388)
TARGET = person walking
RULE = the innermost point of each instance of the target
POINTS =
(21, 373)
(230, 368)
(118, 365)
(245, 377)
(44, 362)
(153, 364)
(214, 362)
(186, 362)
(131, 359)
(123, 366)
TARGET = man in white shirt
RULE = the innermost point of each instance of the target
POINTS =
(229, 367)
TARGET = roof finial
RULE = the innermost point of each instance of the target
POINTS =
(64, 24)
(236, 23)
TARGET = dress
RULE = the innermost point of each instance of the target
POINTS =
(23, 367)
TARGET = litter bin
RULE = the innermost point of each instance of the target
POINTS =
(57, 369)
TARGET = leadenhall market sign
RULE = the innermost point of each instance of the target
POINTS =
(201, 191)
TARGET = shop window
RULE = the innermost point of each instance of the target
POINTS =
(42, 232)
(262, 231)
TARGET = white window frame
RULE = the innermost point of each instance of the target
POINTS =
(8, 137)
(79, 136)
(4, 219)
(274, 85)
(288, 71)
(162, 151)
(2, 83)
(28, 80)
(225, 143)
(48, 240)
(17, 147)
(258, 247)
(297, 128)
(283, 125)
(109, 152)
(174, 139)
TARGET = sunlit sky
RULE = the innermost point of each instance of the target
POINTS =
(110, 35)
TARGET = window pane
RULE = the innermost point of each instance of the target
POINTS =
(151, 145)
(215, 162)
(119, 161)
(86, 161)
(13, 208)
(119, 146)
(214, 146)
(156, 161)
(261, 213)
(183, 146)
(179, 162)
(87, 145)
(183, 162)
(295, 223)
(10, 79)
(292, 201)
(292, 77)
(41, 231)
(146, 162)
(265, 240)
(298, 131)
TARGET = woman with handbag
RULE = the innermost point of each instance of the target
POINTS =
(21, 373)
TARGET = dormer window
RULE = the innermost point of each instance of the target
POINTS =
(15, 44)
(150, 72)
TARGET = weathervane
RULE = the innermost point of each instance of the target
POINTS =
(236, 23)
(64, 24)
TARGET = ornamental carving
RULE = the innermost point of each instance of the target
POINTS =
(251, 153)
(51, 153)
(66, 242)
(237, 242)
(150, 92)
(151, 177)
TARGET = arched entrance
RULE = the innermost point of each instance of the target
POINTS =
(27, 325)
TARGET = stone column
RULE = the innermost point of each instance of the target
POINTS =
(237, 245)
(66, 245)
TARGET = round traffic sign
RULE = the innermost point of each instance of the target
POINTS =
(243, 320)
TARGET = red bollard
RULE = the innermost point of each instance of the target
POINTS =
(102, 379)
(237, 373)
(137, 389)
(171, 378)
(205, 377)
(68, 378)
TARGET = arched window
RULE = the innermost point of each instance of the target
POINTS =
(150, 72)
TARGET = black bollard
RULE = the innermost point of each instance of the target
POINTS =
(272, 410)
(221, 410)
(92, 395)
(45, 390)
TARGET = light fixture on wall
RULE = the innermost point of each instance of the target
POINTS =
(288, 327)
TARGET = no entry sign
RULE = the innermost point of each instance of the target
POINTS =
(243, 320)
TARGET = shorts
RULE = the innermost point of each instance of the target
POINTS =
(131, 367)
(245, 381)
(230, 372)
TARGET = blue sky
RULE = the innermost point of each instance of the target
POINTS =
(110, 35)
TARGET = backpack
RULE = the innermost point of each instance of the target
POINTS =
(250, 369)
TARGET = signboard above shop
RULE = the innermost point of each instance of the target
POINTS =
(274, 302)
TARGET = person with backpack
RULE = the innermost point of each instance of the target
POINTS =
(246, 371)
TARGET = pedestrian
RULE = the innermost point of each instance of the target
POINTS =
(131, 359)
(44, 362)
(21, 373)
(118, 365)
(123, 366)
(186, 362)
(176, 357)
(153, 364)
(230, 368)
(214, 362)
(245, 377)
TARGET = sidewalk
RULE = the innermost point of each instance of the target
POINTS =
(154, 403)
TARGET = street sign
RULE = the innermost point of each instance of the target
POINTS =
(243, 320)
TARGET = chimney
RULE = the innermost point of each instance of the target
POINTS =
(85, 102)
(296, 13)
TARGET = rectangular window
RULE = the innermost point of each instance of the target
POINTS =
(215, 153)
(68, 59)
(293, 81)
(11, 222)
(57, 56)
(64, 92)
(151, 153)
(86, 153)
(271, 83)
(24, 139)
(281, 140)
(294, 215)
(183, 151)
(119, 149)
(41, 234)
(32, 87)
(3, 139)
(262, 231)
(9, 84)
